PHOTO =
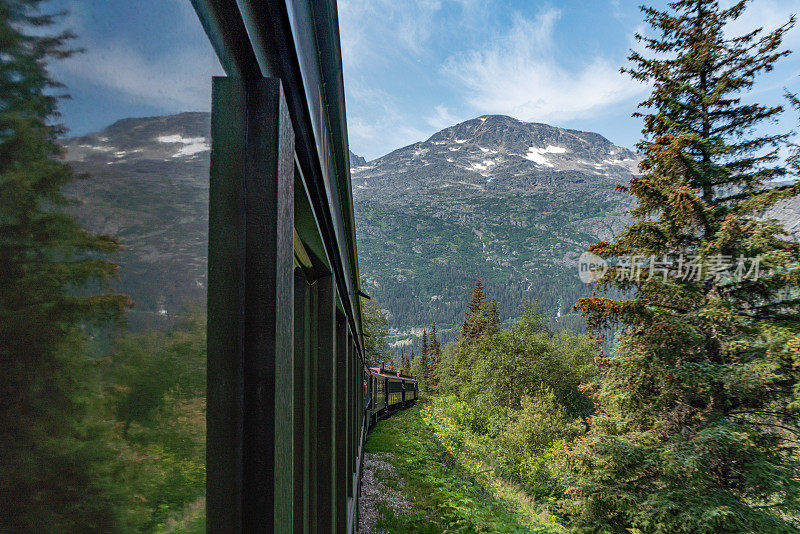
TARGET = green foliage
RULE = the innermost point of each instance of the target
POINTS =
(55, 451)
(62, 471)
(696, 421)
(157, 390)
(540, 422)
(195, 525)
(412, 523)
(453, 494)
(515, 398)
(434, 359)
(152, 365)
(425, 365)
(147, 472)
(498, 369)
(375, 328)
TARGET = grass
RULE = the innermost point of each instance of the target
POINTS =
(453, 492)
(191, 520)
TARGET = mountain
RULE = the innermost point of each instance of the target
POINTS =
(147, 184)
(788, 214)
(511, 202)
(356, 161)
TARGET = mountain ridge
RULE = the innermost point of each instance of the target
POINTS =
(510, 202)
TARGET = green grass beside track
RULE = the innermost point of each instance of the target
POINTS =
(450, 494)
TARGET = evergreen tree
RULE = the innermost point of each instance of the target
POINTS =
(492, 317)
(474, 323)
(405, 363)
(425, 363)
(51, 457)
(375, 327)
(435, 358)
(695, 407)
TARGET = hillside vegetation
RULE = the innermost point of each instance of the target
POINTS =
(690, 423)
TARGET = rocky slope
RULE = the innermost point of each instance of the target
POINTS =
(147, 184)
(511, 202)
(356, 161)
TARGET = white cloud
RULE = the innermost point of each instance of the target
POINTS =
(376, 121)
(174, 80)
(616, 9)
(767, 14)
(518, 74)
(177, 79)
(371, 28)
(442, 118)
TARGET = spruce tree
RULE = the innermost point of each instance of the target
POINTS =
(492, 317)
(425, 362)
(435, 358)
(50, 459)
(695, 419)
(474, 323)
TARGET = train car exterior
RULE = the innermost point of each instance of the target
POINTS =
(409, 391)
(395, 392)
(286, 420)
(388, 391)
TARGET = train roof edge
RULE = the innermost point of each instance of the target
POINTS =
(390, 373)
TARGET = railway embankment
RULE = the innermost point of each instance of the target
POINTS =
(423, 474)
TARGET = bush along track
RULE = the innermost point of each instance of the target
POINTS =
(452, 490)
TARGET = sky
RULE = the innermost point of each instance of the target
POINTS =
(411, 67)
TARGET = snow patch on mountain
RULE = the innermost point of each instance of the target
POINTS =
(100, 148)
(537, 154)
(482, 166)
(191, 145)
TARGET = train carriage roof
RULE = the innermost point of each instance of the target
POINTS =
(391, 374)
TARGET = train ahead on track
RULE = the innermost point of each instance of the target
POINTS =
(387, 391)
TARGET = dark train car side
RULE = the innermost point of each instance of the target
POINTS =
(388, 391)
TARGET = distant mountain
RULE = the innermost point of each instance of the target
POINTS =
(511, 202)
(788, 213)
(356, 161)
(148, 185)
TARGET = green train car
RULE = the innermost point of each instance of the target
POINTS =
(388, 391)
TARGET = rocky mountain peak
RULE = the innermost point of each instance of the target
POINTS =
(511, 202)
(497, 151)
(511, 135)
(356, 160)
(186, 135)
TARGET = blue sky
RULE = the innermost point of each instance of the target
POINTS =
(411, 67)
